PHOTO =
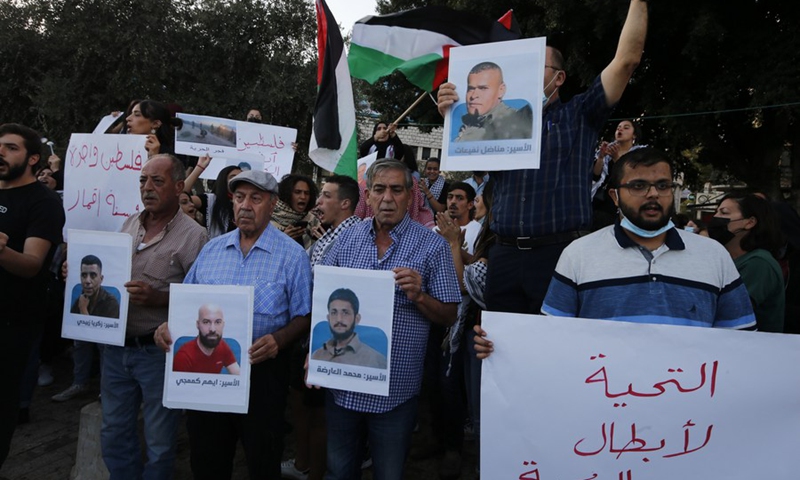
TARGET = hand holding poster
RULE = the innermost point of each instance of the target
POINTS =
(566, 398)
(207, 367)
(101, 180)
(96, 301)
(351, 329)
(496, 123)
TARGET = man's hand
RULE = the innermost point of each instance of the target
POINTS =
(409, 281)
(54, 162)
(305, 376)
(449, 229)
(162, 337)
(264, 348)
(143, 294)
(318, 231)
(3, 241)
(446, 97)
(483, 347)
(83, 304)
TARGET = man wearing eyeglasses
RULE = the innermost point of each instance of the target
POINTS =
(642, 269)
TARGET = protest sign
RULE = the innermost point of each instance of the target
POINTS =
(565, 398)
(207, 367)
(101, 180)
(96, 301)
(497, 122)
(362, 166)
(106, 122)
(244, 144)
(351, 329)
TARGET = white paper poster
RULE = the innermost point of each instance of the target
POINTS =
(95, 301)
(253, 145)
(497, 122)
(363, 165)
(351, 329)
(207, 367)
(566, 398)
(101, 180)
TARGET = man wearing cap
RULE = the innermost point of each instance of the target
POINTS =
(260, 255)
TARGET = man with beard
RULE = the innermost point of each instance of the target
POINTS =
(208, 353)
(345, 346)
(94, 299)
(460, 210)
(642, 269)
(31, 219)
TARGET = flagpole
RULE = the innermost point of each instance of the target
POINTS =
(412, 107)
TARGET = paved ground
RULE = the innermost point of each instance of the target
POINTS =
(45, 448)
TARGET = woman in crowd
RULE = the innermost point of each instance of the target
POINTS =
(627, 137)
(216, 208)
(153, 119)
(384, 141)
(748, 228)
(297, 196)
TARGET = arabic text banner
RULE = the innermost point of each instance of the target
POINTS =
(565, 398)
(101, 180)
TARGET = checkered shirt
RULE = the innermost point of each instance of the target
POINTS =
(413, 246)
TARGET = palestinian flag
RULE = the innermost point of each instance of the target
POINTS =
(417, 42)
(333, 137)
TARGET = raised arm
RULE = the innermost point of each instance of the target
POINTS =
(629, 52)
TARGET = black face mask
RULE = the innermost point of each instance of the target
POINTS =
(718, 230)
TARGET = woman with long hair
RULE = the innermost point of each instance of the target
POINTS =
(217, 207)
(152, 118)
(747, 226)
(627, 137)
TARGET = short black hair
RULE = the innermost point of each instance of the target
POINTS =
(346, 295)
(483, 66)
(348, 189)
(30, 139)
(646, 157)
(92, 260)
(434, 160)
(463, 186)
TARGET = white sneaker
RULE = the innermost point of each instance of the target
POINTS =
(289, 470)
(45, 375)
(70, 393)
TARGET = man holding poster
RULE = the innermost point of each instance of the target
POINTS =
(260, 255)
(537, 212)
(428, 291)
(94, 299)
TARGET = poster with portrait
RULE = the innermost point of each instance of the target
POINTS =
(95, 300)
(207, 367)
(571, 398)
(249, 146)
(351, 329)
(362, 165)
(497, 122)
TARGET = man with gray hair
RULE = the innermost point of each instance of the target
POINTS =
(258, 254)
(165, 244)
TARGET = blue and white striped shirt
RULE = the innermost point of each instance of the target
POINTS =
(416, 247)
(276, 266)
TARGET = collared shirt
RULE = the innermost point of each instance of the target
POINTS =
(478, 188)
(163, 260)
(556, 197)
(354, 353)
(689, 280)
(322, 246)
(418, 248)
(276, 266)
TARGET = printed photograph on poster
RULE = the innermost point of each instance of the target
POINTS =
(207, 367)
(268, 147)
(351, 329)
(496, 123)
(363, 165)
(217, 164)
(95, 301)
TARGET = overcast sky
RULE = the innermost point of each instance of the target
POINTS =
(348, 12)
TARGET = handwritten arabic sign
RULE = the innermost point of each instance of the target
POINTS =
(96, 302)
(574, 399)
(101, 180)
(207, 367)
(481, 133)
(351, 335)
(266, 147)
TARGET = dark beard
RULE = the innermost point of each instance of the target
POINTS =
(339, 337)
(14, 171)
(210, 343)
(636, 219)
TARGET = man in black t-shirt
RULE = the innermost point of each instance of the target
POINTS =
(31, 219)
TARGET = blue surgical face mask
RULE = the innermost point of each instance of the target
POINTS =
(641, 232)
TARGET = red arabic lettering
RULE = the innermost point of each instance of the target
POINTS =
(601, 376)
(535, 471)
(689, 424)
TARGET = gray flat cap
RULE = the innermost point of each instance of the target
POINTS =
(260, 179)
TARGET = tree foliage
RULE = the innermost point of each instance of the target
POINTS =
(734, 60)
(69, 62)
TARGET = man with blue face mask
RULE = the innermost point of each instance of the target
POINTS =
(538, 212)
(642, 269)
